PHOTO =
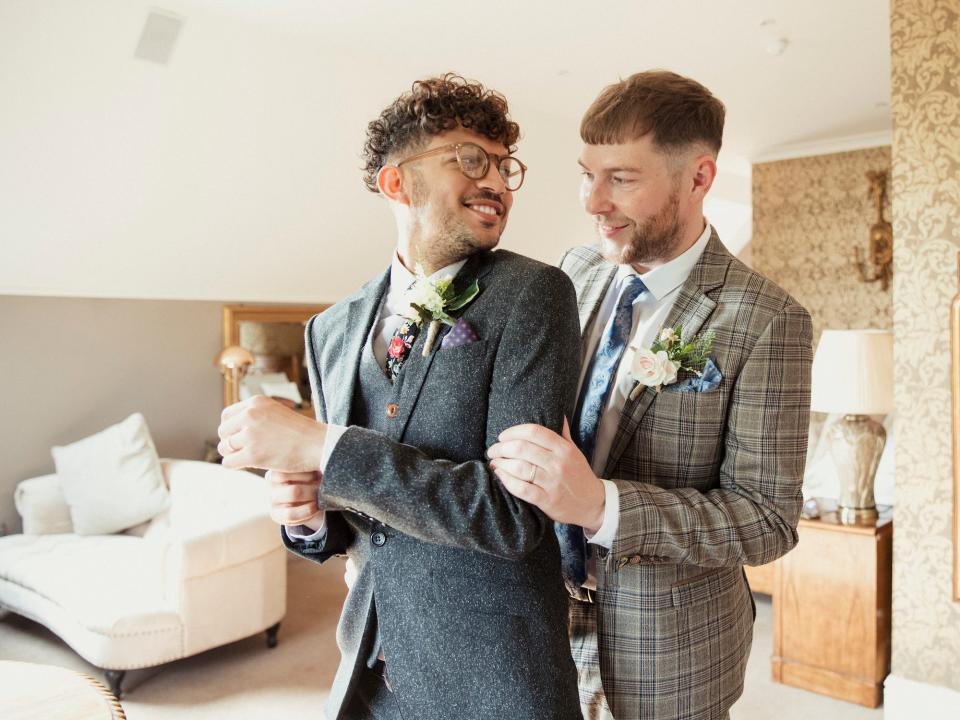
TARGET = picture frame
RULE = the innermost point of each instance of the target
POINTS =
(234, 315)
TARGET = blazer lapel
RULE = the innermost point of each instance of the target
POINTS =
(360, 316)
(590, 293)
(416, 366)
(691, 309)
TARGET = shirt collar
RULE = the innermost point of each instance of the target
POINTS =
(663, 280)
(401, 279)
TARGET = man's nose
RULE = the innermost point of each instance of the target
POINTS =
(595, 200)
(493, 180)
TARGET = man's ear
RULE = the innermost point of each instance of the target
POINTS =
(390, 184)
(704, 173)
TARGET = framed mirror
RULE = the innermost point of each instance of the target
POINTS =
(273, 334)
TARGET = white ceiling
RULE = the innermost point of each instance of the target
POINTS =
(832, 81)
(205, 177)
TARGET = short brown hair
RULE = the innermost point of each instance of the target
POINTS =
(677, 111)
(433, 106)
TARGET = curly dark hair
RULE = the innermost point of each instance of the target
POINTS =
(433, 106)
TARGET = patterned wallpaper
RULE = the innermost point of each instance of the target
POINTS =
(808, 215)
(925, 46)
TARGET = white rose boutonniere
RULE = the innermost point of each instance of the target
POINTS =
(659, 364)
(432, 301)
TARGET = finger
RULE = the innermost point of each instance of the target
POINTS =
(280, 477)
(293, 494)
(296, 515)
(521, 489)
(517, 468)
(231, 410)
(521, 450)
(537, 434)
(232, 424)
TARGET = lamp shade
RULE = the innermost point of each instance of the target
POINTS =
(232, 357)
(853, 373)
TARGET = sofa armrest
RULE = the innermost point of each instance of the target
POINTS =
(43, 507)
(207, 552)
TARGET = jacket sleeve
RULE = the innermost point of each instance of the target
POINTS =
(751, 518)
(463, 504)
(339, 534)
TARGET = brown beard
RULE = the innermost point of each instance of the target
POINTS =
(453, 240)
(653, 241)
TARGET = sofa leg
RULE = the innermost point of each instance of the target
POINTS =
(114, 680)
(272, 635)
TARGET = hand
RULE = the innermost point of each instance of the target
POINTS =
(293, 497)
(548, 470)
(262, 433)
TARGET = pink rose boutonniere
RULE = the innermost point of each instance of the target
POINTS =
(659, 364)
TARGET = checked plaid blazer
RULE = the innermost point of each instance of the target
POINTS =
(708, 482)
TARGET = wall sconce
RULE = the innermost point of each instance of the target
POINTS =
(881, 238)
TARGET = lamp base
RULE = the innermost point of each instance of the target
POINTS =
(858, 516)
(856, 443)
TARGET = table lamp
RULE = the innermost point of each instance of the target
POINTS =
(853, 376)
(233, 362)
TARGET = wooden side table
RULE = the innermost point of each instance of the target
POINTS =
(831, 609)
(29, 691)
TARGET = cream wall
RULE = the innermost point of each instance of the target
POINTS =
(232, 173)
(925, 41)
(73, 366)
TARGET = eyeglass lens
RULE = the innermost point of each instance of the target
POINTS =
(474, 162)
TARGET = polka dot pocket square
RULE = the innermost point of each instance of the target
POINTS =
(460, 334)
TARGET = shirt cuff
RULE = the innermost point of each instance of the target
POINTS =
(306, 533)
(334, 433)
(611, 517)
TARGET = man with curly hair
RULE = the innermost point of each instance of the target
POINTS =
(457, 608)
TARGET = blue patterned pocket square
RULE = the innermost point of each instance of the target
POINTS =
(460, 334)
(709, 380)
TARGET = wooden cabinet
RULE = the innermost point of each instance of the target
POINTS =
(831, 609)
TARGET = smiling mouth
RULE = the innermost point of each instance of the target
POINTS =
(607, 229)
(488, 210)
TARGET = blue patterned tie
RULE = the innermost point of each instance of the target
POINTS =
(593, 398)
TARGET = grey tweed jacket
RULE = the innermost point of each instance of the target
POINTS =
(461, 579)
(708, 482)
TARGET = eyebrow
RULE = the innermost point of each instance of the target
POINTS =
(613, 169)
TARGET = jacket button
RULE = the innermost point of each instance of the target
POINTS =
(392, 410)
(378, 539)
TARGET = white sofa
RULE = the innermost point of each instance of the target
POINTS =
(209, 570)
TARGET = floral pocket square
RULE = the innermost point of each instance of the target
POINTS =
(708, 380)
(460, 334)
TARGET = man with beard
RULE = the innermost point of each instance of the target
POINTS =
(684, 459)
(458, 602)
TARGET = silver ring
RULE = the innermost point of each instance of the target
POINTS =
(533, 475)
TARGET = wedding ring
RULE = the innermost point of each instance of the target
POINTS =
(229, 439)
(533, 473)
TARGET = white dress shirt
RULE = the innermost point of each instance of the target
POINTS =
(390, 317)
(650, 312)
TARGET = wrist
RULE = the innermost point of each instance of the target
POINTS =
(318, 445)
(597, 506)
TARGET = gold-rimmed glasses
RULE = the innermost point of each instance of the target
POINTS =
(474, 163)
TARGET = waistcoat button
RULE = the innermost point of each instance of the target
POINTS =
(392, 410)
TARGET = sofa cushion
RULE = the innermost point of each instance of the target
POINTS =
(112, 480)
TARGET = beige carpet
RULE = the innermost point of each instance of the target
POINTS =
(247, 681)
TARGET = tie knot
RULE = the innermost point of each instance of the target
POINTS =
(633, 288)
